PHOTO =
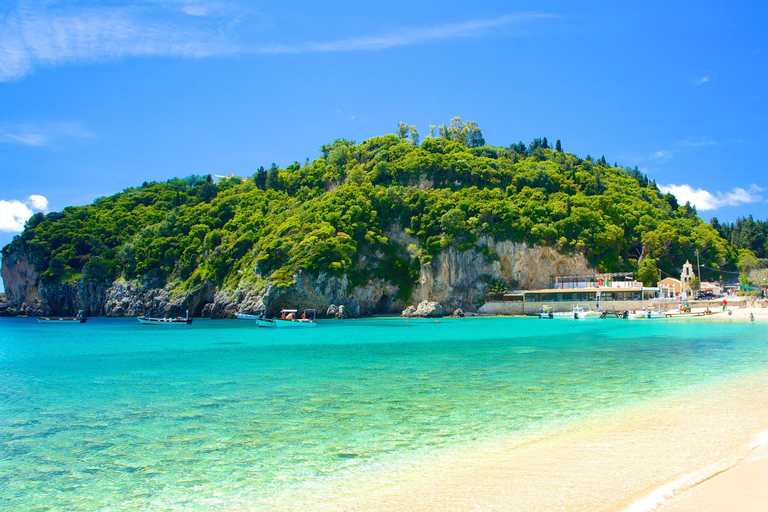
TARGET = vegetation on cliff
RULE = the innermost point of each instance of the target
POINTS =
(337, 215)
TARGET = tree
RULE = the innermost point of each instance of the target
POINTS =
(402, 130)
(273, 177)
(467, 133)
(260, 178)
(558, 146)
(647, 272)
(544, 143)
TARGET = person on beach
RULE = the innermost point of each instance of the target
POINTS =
(751, 317)
(724, 303)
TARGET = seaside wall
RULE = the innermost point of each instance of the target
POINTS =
(455, 279)
(528, 308)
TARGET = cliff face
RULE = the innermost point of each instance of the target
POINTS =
(21, 283)
(460, 279)
(454, 278)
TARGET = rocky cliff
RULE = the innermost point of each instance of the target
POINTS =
(455, 279)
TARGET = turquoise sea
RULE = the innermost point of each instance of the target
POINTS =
(221, 415)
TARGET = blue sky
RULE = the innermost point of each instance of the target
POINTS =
(98, 96)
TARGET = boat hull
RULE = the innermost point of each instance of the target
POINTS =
(47, 320)
(263, 322)
(577, 315)
(644, 314)
(279, 322)
(164, 321)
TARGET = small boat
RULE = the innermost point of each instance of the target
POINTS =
(260, 317)
(265, 322)
(243, 316)
(79, 318)
(646, 313)
(148, 320)
(288, 318)
(546, 312)
(578, 313)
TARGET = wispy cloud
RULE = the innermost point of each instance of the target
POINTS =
(705, 200)
(662, 156)
(43, 134)
(665, 155)
(14, 213)
(47, 36)
(702, 80)
(697, 143)
(37, 35)
(407, 37)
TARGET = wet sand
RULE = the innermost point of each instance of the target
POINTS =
(743, 488)
(633, 460)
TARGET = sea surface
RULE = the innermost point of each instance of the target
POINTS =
(221, 415)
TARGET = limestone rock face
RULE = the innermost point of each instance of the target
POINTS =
(460, 279)
(453, 280)
(21, 282)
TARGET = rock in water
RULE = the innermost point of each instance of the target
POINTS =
(425, 309)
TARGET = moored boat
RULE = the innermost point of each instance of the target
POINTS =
(646, 313)
(578, 313)
(148, 320)
(79, 318)
(245, 316)
(288, 318)
(265, 322)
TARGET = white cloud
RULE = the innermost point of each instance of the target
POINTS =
(705, 200)
(49, 34)
(41, 134)
(662, 156)
(13, 214)
(38, 202)
(702, 80)
(406, 37)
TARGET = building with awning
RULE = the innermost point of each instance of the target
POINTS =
(602, 295)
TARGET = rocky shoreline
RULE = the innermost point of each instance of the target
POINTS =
(454, 282)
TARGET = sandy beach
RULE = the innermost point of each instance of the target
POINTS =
(675, 454)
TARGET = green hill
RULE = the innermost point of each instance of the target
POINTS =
(336, 214)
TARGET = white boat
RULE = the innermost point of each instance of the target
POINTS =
(148, 320)
(289, 318)
(578, 313)
(645, 313)
(546, 312)
(243, 316)
(265, 322)
(79, 318)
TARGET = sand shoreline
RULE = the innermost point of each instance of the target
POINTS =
(613, 462)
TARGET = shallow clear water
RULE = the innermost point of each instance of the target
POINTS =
(221, 415)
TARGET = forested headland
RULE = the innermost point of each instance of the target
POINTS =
(347, 212)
